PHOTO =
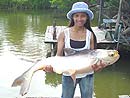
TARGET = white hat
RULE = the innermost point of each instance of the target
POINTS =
(80, 7)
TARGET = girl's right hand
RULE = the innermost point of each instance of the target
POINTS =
(48, 68)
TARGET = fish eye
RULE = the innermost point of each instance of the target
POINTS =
(111, 54)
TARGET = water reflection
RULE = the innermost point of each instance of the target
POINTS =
(24, 33)
(114, 80)
(55, 81)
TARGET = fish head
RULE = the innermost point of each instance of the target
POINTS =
(108, 57)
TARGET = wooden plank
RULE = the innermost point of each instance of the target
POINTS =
(49, 33)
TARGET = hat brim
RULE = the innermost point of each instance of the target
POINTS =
(87, 11)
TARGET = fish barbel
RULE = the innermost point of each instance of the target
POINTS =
(74, 63)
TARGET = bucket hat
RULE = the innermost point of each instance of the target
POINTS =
(80, 7)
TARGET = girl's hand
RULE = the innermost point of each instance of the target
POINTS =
(48, 68)
(98, 66)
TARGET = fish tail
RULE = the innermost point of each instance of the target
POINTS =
(25, 85)
(17, 82)
(24, 81)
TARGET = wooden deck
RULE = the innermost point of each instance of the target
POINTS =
(105, 38)
(100, 34)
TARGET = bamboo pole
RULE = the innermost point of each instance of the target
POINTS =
(118, 20)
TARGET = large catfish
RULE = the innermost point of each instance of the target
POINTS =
(77, 62)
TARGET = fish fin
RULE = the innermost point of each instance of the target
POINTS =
(72, 73)
(95, 60)
(73, 76)
(69, 51)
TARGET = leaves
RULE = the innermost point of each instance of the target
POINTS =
(58, 4)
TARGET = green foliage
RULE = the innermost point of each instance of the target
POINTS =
(24, 4)
(112, 7)
(62, 4)
(42, 4)
(112, 3)
(39, 4)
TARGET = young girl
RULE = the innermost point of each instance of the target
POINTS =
(78, 36)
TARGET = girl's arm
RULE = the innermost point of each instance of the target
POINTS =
(60, 44)
(92, 42)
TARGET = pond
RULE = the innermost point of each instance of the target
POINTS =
(22, 45)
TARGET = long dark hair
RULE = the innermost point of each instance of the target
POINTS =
(87, 25)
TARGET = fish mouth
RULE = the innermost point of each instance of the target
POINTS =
(109, 56)
(116, 53)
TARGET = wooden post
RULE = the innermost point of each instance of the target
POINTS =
(54, 30)
(100, 12)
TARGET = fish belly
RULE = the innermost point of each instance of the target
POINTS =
(65, 63)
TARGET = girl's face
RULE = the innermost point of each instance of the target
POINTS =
(80, 19)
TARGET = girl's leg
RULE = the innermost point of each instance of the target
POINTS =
(86, 86)
(68, 87)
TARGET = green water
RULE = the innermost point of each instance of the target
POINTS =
(22, 34)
